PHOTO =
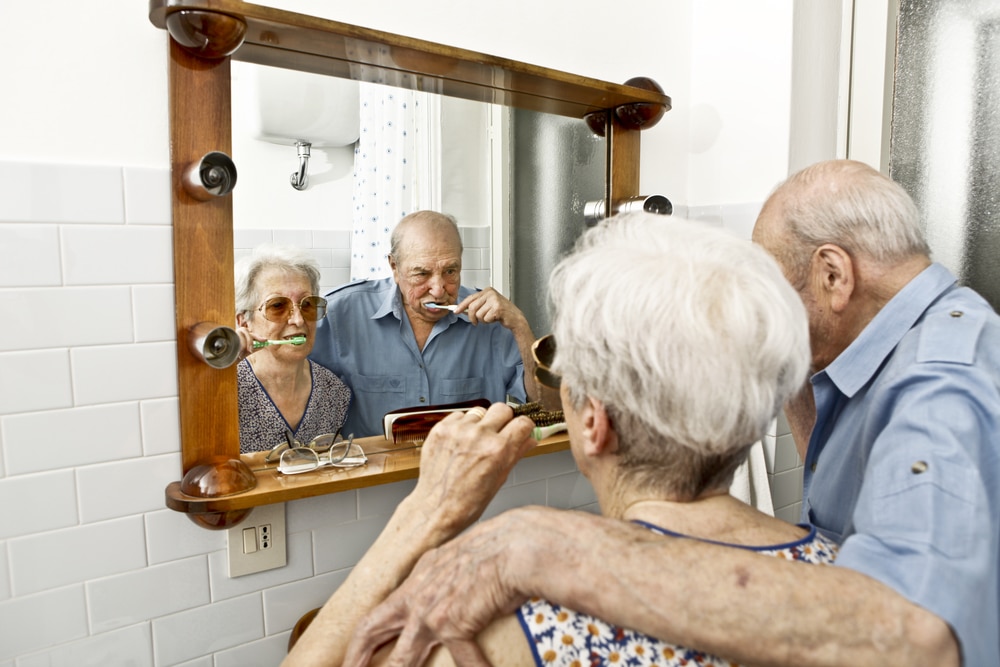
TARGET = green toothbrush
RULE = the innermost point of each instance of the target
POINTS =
(296, 340)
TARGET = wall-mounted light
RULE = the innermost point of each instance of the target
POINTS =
(595, 211)
(218, 346)
(214, 175)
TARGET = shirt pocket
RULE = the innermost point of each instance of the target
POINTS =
(463, 389)
(936, 502)
(379, 384)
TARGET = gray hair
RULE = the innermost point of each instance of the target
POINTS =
(291, 260)
(427, 219)
(691, 338)
(852, 205)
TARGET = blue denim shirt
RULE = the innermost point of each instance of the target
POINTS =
(367, 341)
(903, 467)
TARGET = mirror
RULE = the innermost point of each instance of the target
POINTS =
(205, 36)
(456, 171)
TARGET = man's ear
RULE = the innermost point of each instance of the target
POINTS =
(599, 436)
(836, 275)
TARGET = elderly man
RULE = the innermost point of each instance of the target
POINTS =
(397, 343)
(901, 438)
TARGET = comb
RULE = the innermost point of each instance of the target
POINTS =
(411, 425)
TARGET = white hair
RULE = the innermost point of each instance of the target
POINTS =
(852, 205)
(289, 259)
(689, 336)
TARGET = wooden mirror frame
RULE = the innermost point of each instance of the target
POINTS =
(219, 489)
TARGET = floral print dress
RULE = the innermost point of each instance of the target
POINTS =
(561, 637)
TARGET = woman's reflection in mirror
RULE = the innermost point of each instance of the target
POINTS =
(280, 389)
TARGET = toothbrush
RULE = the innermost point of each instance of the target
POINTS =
(296, 340)
(542, 432)
(452, 308)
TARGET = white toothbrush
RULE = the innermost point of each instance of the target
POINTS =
(452, 308)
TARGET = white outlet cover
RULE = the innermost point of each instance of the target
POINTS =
(274, 556)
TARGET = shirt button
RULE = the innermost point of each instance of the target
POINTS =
(956, 313)
(423, 399)
(919, 467)
(812, 468)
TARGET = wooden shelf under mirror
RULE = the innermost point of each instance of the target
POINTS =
(205, 36)
(273, 487)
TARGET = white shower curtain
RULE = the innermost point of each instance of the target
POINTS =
(397, 170)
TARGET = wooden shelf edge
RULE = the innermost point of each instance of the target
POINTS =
(275, 488)
(288, 39)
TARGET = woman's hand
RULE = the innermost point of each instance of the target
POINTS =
(463, 463)
(246, 342)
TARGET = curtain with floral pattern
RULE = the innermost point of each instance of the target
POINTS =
(396, 170)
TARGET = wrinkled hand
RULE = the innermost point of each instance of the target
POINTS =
(489, 305)
(463, 463)
(454, 592)
(246, 342)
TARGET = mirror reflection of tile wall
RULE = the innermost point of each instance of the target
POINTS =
(332, 249)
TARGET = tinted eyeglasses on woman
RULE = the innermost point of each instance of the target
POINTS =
(543, 351)
(279, 309)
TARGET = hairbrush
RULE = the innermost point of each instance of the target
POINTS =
(538, 414)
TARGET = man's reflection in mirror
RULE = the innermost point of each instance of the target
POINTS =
(419, 337)
(280, 390)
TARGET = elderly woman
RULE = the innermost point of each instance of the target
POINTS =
(677, 345)
(280, 390)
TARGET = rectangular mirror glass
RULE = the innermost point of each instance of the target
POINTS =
(467, 159)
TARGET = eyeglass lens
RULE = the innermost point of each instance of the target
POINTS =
(279, 308)
(342, 454)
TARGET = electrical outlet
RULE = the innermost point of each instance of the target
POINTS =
(258, 542)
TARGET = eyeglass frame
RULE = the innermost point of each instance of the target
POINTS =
(320, 308)
(543, 351)
(321, 443)
(316, 459)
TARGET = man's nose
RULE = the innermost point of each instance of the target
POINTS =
(436, 285)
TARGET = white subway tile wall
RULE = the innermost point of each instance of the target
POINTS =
(94, 570)
(332, 250)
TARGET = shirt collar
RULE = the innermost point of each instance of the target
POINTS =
(855, 366)
(392, 303)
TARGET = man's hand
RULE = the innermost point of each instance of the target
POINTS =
(489, 305)
(452, 593)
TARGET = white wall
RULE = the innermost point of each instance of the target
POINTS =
(93, 569)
